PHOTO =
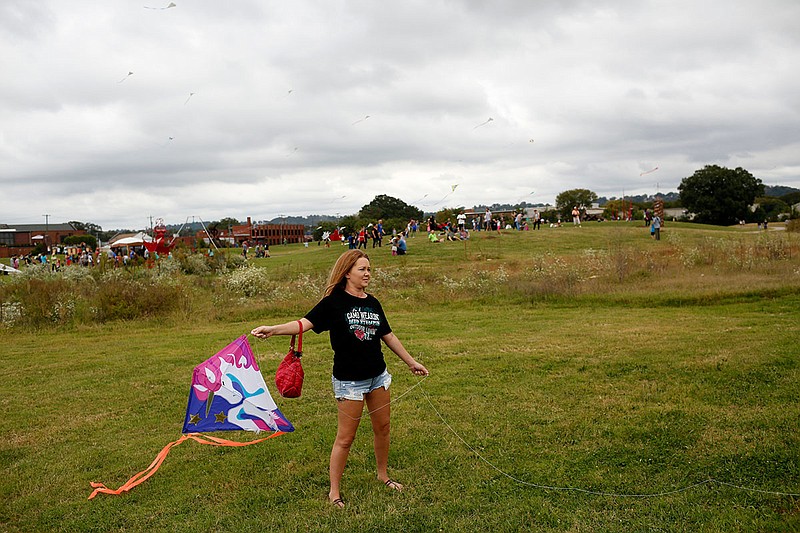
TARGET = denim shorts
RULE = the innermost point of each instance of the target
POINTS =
(355, 390)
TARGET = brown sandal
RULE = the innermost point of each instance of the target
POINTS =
(338, 502)
(392, 484)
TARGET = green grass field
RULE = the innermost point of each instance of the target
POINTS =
(564, 362)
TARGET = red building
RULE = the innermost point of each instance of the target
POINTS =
(259, 233)
(21, 239)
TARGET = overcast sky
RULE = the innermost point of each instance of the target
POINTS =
(115, 111)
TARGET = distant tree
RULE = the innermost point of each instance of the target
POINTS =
(387, 207)
(448, 214)
(93, 229)
(770, 207)
(566, 200)
(791, 198)
(89, 240)
(228, 221)
(719, 195)
(88, 227)
(350, 224)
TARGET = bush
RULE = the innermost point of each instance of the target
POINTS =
(249, 281)
(41, 298)
(130, 298)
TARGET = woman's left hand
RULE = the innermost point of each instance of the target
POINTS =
(418, 369)
(263, 332)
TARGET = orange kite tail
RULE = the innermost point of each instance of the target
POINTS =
(142, 476)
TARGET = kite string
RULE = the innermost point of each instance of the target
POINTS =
(387, 404)
(588, 491)
(502, 472)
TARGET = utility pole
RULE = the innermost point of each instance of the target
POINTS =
(46, 229)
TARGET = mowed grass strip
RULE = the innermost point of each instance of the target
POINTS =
(641, 388)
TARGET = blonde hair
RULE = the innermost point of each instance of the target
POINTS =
(344, 264)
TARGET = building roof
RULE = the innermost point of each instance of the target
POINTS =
(38, 227)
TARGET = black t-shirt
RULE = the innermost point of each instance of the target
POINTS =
(356, 326)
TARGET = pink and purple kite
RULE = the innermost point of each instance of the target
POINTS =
(227, 393)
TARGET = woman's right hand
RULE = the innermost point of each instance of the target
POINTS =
(263, 332)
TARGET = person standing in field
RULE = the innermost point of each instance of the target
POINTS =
(381, 233)
(362, 238)
(376, 239)
(657, 227)
(576, 216)
(357, 325)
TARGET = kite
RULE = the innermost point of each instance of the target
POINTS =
(360, 120)
(171, 4)
(292, 152)
(126, 77)
(483, 123)
(649, 171)
(187, 100)
(228, 393)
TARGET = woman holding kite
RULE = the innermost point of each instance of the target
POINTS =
(357, 325)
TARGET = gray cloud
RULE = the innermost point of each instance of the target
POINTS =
(276, 123)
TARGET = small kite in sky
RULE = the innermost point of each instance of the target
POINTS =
(126, 77)
(649, 171)
(453, 187)
(187, 100)
(530, 140)
(360, 120)
(292, 152)
(171, 4)
(483, 123)
(227, 393)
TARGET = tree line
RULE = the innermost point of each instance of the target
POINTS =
(714, 194)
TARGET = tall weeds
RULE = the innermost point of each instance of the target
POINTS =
(224, 287)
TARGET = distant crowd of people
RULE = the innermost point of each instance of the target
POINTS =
(80, 255)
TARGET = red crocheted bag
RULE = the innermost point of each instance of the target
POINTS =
(289, 376)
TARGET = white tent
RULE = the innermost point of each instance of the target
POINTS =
(136, 240)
